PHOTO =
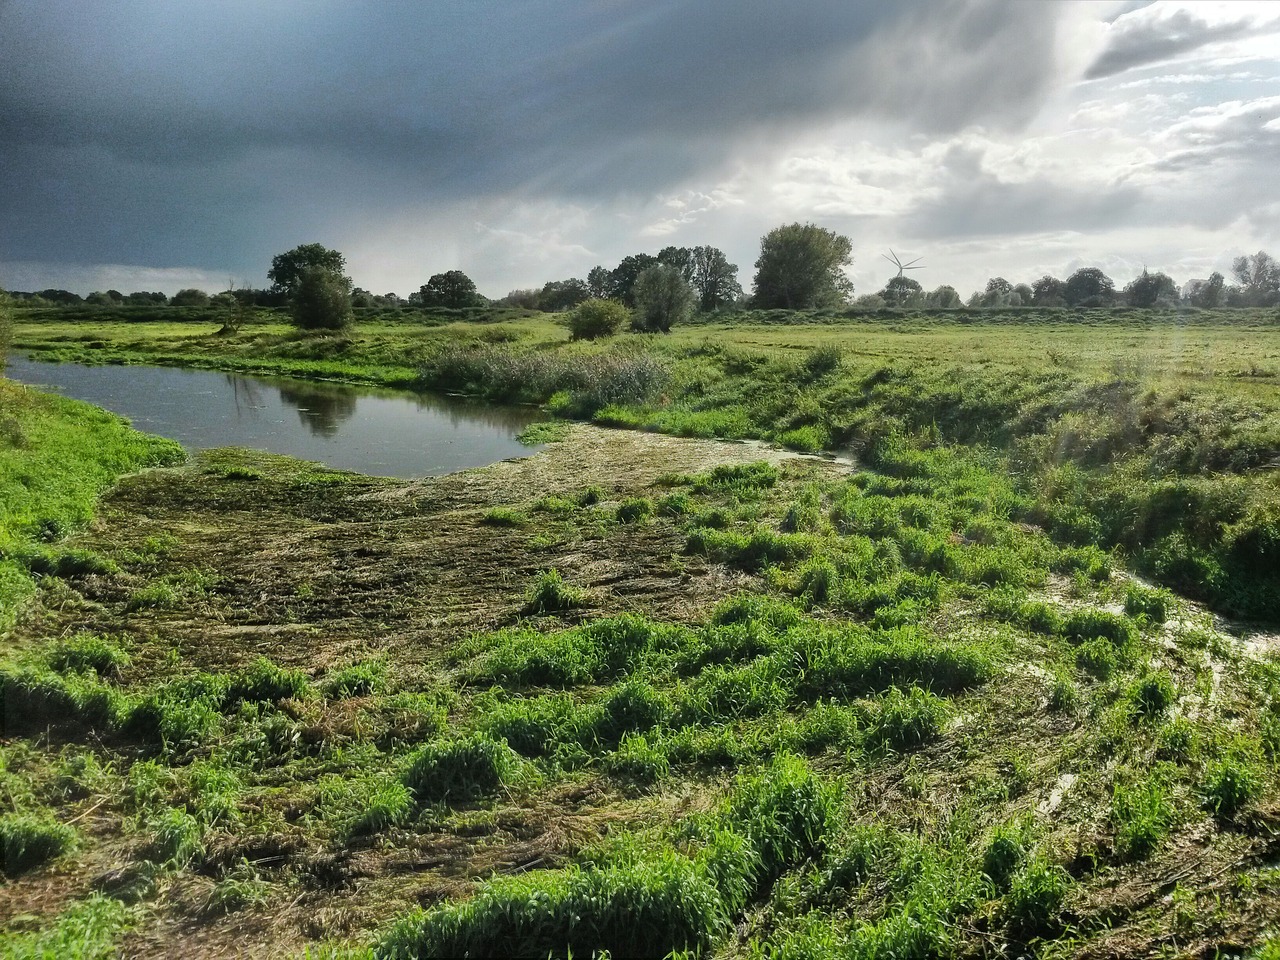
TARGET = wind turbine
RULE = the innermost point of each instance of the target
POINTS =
(902, 267)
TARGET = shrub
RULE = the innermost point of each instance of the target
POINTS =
(27, 841)
(550, 593)
(460, 769)
(596, 318)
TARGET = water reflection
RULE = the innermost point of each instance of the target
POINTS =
(382, 432)
(322, 408)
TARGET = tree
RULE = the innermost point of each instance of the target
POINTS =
(1209, 294)
(526, 298)
(598, 282)
(558, 295)
(801, 266)
(1259, 277)
(321, 300)
(714, 277)
(1048, 292)
(287, 268)
(190, 297)
(595, 318)
(622, 279)
(1024, 293)
(451, 289)
(679, 257)
(1147, 289)
(901, 291)
(1088, 287)
(663, 297)
(943, 298)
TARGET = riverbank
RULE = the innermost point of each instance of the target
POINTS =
(674, 693)
(1156, 435)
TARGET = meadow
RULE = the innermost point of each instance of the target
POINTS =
(966, 692)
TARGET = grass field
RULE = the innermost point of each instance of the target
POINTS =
(659, 695)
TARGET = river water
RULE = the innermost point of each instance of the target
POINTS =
(379, 432)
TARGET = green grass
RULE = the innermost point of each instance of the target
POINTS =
(57, 457)
(877, 710)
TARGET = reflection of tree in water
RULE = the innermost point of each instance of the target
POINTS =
(464, 412)
(322, 409)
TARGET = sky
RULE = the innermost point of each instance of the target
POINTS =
(154, 145)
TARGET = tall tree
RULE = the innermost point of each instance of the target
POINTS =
(1259, 277)
(1209, 294)
(558, 295)
(679, 257)
(451, 289)
(901, 291)
(598, 282)
(287, 268)
(622, 279)
(1088, 287)
(1147, 289)
(943, 298)
(801, 266)
(1048, 292)
(321, 300)
(663, 297)
(714, 277)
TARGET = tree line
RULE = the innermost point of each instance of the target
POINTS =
(800, 267)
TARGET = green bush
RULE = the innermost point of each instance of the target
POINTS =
(596, 318)
(450, 770)
(27, 841)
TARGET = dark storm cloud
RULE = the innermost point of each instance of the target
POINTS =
(1141, 39)
(148, 131)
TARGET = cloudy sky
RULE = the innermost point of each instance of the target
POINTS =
(153, 144)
